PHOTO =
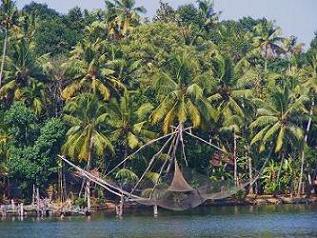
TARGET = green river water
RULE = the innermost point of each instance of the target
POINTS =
(243, 221)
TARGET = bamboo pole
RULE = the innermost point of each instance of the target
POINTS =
(111, 188)
(137, 151)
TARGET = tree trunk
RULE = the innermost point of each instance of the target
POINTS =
(87, 190)
(280, 171)
(235, 172)
(4, 51)
(303, 148)
(251, 191)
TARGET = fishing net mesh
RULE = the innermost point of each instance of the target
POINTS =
(184, 189)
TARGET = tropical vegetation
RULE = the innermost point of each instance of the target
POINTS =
(95, 86)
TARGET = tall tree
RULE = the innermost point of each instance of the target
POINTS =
(267, 39)
(122, 16)
(230, 98)
(179, 84)
(23, 73)
(8, 19)
(128, 122)
(86, 117)
(88, 72)
(310, 84)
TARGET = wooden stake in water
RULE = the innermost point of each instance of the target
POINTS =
(21, 210)
(38, 202)
(155, 210)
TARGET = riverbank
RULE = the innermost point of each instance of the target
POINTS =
(54, 209)
(264, 200)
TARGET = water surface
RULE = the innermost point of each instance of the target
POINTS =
(266, 221)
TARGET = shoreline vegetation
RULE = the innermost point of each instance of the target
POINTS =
(95, 86)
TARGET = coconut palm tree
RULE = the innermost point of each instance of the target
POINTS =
(309, 74)
(56, 79)
(124, 69)
(230, 98)
(86, 117)
(88, 72)
(230, 94)
(128, 122)
(268, 40)
(8, 20)
(179, 84)
(279, 120)
(122, 16)
(22, 72)
(206, 9)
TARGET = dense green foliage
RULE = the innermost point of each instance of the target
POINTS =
(95, 86)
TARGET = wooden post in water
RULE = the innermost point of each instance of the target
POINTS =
(38, 202)
(155, 210)
(121, 206)
(12, 205)
(21, 210)
(3, 211)
(33, 195)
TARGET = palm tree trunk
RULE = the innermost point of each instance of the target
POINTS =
(265, 65)
(235, 172)
(303, 148)
(4, 51)
(251, 191)
(280, 171)
(87, 189)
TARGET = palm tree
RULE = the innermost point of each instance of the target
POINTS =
(230, 98)
(86, 117)
(309, 73)
(128, 122)
(179, 84)
(23, 72)
(123, 69)
(8, 20)
(206, 9)
(122, 16)
(88, 72)
(56, 78)
(267, 39)
(230, 94)
(279, 120)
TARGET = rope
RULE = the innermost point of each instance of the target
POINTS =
(208, 143)
(151, 162)
(137, 151)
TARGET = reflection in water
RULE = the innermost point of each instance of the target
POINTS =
(266, 221)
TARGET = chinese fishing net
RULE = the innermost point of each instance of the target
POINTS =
(171, 183)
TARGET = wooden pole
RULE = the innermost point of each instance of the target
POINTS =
(155, 210)
(21, 210)
(121, 206)
(3, 211)
(33, 195)
(38, 202)
(235, 172)
(13, 205)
